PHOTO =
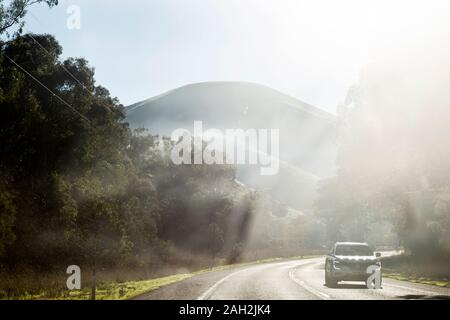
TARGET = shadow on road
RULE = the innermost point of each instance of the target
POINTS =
(347, 286)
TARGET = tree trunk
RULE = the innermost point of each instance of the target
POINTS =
(93, 284)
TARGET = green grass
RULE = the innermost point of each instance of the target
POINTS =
(130, 289)
(108, 290)
(431, 270)
(416, 279)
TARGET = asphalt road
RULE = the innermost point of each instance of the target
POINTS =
(295, 279)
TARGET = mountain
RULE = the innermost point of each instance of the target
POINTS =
(307, 134)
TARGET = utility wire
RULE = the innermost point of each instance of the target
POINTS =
(45, 49)
(62, 65)
(89, 122)
(48, 89)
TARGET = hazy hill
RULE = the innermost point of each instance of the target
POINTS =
(307, 134)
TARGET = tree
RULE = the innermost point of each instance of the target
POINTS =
(393, 155)
(73, 189)
(13, 14)
(7, 218)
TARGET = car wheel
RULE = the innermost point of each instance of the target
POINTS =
(330, 281)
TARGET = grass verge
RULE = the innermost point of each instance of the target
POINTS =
(416, 279)
(432, 270)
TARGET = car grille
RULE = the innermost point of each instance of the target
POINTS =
(355, 265)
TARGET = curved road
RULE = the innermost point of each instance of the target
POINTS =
(295, 279)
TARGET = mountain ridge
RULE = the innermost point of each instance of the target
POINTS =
(314, 109)
(307, 133)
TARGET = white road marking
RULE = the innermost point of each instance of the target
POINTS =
(308, 288)
(205, 295)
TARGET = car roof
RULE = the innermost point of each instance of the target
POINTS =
(352, 243)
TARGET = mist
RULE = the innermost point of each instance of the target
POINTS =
(357, 93)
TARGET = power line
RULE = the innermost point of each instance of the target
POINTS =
(48, 89)
(62, 65)
(55, 95)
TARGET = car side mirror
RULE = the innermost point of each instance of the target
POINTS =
(377, 254)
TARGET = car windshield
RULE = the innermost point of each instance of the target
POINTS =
(353, 250)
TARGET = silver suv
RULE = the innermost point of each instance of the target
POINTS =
(348, 261)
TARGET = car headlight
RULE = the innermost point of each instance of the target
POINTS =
(336, 264)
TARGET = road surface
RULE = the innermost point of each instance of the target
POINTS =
(287, 280)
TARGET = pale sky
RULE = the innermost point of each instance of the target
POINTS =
(312, 50)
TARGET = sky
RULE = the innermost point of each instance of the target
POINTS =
(312, 50)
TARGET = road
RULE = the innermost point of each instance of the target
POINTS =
(287, 280)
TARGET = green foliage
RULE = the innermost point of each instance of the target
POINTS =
(7, 219)
(197, 201)
(12, 14)
(73, 190)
